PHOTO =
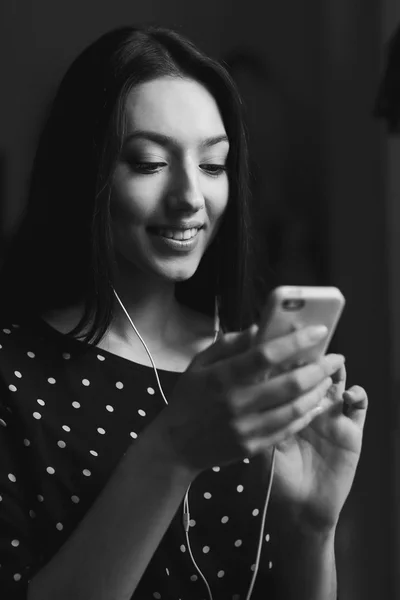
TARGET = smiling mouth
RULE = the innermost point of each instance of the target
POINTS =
(176, 234)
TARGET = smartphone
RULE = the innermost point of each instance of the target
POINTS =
(294, 307)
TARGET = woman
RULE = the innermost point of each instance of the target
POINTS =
(138, 217)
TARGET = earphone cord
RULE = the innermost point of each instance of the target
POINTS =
(186, 513)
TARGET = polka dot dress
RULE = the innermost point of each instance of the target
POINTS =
(68, 413)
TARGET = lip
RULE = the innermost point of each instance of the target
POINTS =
(178, 227)
(167, 244)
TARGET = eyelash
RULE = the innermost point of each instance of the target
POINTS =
(151, 168)
(218, 169)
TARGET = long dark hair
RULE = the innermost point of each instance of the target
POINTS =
(62, 252)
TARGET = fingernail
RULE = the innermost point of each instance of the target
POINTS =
(317, 332)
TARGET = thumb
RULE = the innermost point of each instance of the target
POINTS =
(228, 345)
(355, 405)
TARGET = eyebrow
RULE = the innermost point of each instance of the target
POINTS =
(166, 140)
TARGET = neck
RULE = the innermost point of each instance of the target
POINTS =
(150, 302)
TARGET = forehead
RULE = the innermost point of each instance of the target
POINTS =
(176, 107)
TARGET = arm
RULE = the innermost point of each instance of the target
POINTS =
(305, 563)
(110, 549)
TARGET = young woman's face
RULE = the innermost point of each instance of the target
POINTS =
(170, 186)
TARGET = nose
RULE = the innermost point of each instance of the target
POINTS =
(185, 193)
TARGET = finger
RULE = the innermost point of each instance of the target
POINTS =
(263, 358)
(273, 421)
(282, 388)
(339, 383)
(356, 404)
(283, 348)
(228, 345)
(261, 443)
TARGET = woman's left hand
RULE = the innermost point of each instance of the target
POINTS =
(314, 469)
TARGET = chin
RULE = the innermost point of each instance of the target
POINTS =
(177, 273)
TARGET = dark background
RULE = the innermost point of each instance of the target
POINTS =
(325, 188)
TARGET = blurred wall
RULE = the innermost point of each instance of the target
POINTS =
(392, 146)
(325, 56)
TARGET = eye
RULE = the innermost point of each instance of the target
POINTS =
(213, 169)
(147, 168)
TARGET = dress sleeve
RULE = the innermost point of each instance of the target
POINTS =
(18, 558)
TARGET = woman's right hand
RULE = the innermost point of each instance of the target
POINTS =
(228, 399)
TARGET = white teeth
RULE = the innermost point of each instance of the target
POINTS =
(185, 234)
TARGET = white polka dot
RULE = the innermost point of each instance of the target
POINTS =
(37, 415)
(167, 572)
(110, 408)
(50, 470)
(32, 514)
(15, 543)
(267, 537)
(85, 382)
(207, 495)
(2, 422)
(100, 357)
(12, 388)
(93, 452)
(17, 374)
(255, 512)
(1, 498)
(270, 564)
(17, 577)
(220, 574)
(240, 488)
(101, 430)
(66, 355)
(1, 346)
(119, 385)
(51, 380)
(192, 523)
(157, 595)
(183, 548)
(76, 404)
(31, 354)
(216, 469)
(141, 413)
(224, 520)
(41, 402)
(66, 428)
(238, 543)
(26, 442)
(246, 460)
(15, 325)
(86, 472)
(150, 391)
(61, 444)
(133, 435)
(59, 526)
(193, 578)
(12, 477)
(6, 330)
(40, 497)
(75, 499)
(253, 567)
(206, 549)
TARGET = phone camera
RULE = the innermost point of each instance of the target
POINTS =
(293, 303)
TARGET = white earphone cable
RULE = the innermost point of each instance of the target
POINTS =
(186, 512)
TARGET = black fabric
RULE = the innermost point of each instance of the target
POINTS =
(68, 413)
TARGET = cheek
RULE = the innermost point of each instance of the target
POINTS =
(134, 200)
(218, 196)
